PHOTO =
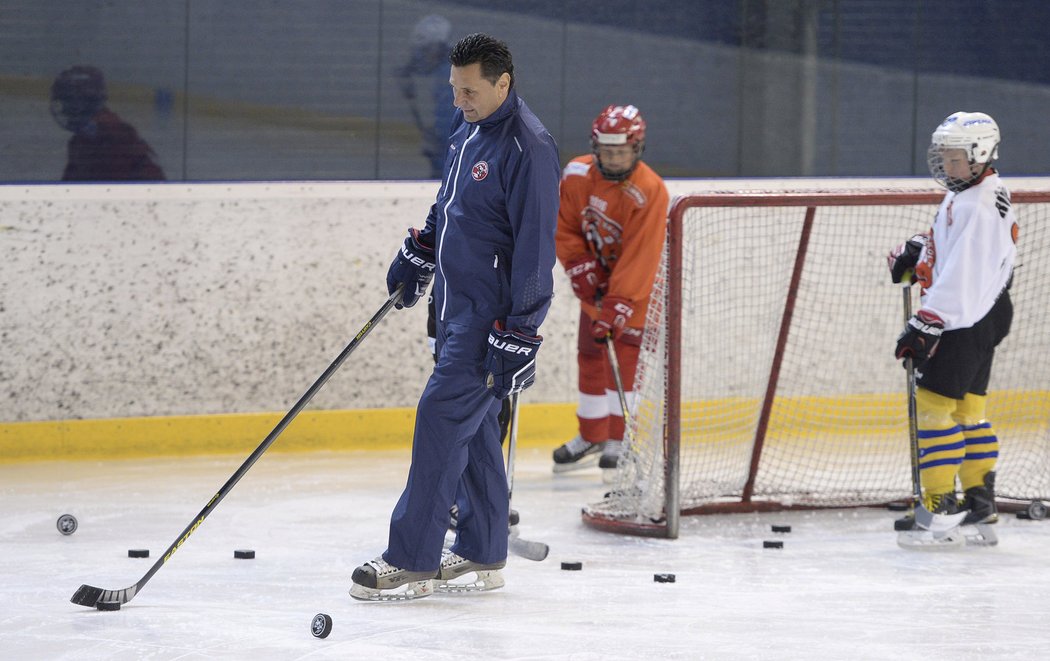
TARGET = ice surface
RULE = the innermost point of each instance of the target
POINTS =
(839, 589)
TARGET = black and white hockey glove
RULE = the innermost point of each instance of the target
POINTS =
(920, 337)
(905, 257)
(414, 267)
(510, 364)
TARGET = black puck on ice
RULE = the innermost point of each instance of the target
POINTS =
(108, 605)
(244, 554)
(781, 528)
(321, 625)
(138, 553)
(663, 578)
(66, 524)
(772, 544)
(572, 566)
(898, 507)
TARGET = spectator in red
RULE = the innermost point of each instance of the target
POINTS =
(103, 147)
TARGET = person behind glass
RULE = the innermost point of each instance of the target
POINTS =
(428, 65)
(611, 227)
(103, 147)
(965, 266)
(488, 245)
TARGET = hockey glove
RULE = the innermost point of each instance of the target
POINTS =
(510, 364)
(904, 257)
(588, 278)
(612, 318)
(920, 337)
(413, 266)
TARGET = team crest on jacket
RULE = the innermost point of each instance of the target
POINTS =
(480, 170)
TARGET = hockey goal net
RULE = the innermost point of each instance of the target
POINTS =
(767, 379)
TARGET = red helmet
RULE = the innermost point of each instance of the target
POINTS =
(618, 125)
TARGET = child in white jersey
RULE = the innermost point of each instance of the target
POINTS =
(964, 264)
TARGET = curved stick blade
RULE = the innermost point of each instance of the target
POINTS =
(90, 596)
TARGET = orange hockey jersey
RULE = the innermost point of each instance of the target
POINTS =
(628, 219)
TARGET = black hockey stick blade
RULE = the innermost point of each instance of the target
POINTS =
(527, 549)
(87, 595)
(90, 596)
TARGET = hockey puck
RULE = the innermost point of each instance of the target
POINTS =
(898, 507)
(321, 625)
(66, 524)
(108, 605)
(244, 554)
(138, 553)
(772, 544)
(663, 578)
(572, 566)
(1036, 510)
(781, 528)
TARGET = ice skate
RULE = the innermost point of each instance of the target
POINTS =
(915, 538)
(978, 534)
(576, 454)
(378, 580)
(942, 503)
(981, 502)
(610, 458)
(457, 574)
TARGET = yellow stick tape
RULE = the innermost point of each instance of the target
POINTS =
(542, 425)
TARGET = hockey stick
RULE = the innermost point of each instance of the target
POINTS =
(924, 518)
(614, 363)
(90, 596)
(530, 550)
(594, 240)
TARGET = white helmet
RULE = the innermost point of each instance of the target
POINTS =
(431, 29)
(975, 133)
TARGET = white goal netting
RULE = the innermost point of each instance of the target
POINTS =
(767, 378)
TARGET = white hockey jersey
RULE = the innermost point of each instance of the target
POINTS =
(970, 256)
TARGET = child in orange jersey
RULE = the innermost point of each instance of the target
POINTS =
(611, 228)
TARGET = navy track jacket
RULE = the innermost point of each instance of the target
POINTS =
(492, 226)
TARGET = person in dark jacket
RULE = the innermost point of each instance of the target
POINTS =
(103, 147)
(489, 240)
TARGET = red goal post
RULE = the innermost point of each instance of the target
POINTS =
(767, 379)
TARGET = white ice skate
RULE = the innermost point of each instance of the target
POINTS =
(378, 580)
(458, 574)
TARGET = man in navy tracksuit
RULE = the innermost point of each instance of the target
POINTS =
(490, 239)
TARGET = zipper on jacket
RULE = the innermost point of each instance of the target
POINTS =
(455, 186)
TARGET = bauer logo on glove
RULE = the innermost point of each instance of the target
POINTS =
(510, 365)
(413, 266)
(920, 337)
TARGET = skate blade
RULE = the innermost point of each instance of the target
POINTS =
(980, 534)
(483, 582)
(406, 592)
(983, 535)
(927, 540)
(584, 462)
